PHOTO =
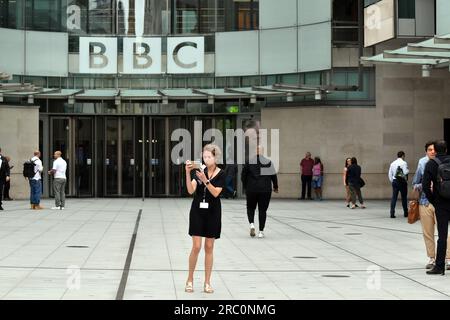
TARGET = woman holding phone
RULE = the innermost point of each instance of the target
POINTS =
(206, 211)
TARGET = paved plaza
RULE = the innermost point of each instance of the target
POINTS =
(312, 250)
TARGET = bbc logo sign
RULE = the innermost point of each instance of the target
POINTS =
(142, 55)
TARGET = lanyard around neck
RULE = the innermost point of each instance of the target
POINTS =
(209, 179)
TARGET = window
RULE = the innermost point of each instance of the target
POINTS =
(44, 15)
(239, 15)
(350, 77)
(11, 14)
(345, 21)
(100, 17)
(406, 9)
(148, 19)
(194, 16)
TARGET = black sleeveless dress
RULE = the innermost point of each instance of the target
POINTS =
(206, 222)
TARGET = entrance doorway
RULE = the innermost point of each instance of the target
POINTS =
(122, 156)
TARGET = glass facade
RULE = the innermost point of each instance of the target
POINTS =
(345, 21)
(130, 17)
(122, 18)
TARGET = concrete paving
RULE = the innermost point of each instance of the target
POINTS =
(312, 250)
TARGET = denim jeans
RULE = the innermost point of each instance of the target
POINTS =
(401, 187)
(35, 191)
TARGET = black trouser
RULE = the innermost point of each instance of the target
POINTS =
(306, 182)
(7, 187)
(261, 199)
(401, 187)
(442, 218)
(355, 191)
(1, 191)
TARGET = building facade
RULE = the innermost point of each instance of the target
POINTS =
(113, 79)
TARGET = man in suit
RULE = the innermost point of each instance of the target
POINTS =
(4, 175)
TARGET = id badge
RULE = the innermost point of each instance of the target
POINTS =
(204, 205)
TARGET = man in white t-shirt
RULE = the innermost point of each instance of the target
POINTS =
(36, 182)
(59, 182)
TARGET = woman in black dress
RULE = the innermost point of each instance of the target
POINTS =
(206, 211)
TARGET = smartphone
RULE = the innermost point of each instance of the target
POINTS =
(197, 165)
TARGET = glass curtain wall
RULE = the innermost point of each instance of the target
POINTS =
(137, 18)
(240, 15)
(131, 17)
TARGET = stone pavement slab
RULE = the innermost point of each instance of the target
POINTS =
(312, 250)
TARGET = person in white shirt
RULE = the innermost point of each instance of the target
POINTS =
(398, 176)
(36, 182)
(59, 182)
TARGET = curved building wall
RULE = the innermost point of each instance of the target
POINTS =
(250, 38)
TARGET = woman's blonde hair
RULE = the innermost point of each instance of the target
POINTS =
(214, 149)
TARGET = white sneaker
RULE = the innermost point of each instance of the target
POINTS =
(55, 208)
(252, 230)
(260, 234)
(62, 208)
(430, 264)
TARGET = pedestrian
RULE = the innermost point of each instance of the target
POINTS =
(205, 215)
(436, 185)
(348, 162)
(398, 176)
(427, 211)
(306, 166)
(317, 178)
(36, 181)
(258, 176)
(230, 184)
(355, 183)
(4, 175)
(59, 180)
(7, 187)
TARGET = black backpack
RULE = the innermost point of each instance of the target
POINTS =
(443, 178)
(28, 169)
(400, 175)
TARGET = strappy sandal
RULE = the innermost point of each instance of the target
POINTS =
(189, 287)
(207, 288)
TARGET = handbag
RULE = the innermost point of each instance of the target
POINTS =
(362, 183)
(413, 211)
(414, 194)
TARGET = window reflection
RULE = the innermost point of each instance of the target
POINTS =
(241, 14)
(131, 17)
(139, 18)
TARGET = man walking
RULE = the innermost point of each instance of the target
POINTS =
(436, 184)
(257, 178)
(36, 182)
(306, 166)
(427, 211)
(4, 175)
(59, 182)
(398, 176)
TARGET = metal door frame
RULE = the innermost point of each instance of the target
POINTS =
(70, 152)
(93, 154)
(119, 151)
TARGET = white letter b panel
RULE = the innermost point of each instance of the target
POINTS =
(142, 56)
(98, 55)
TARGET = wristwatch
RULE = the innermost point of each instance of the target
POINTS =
(207, 182)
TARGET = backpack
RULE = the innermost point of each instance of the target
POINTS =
(28, 169)
(400, 175)
(443, 178)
